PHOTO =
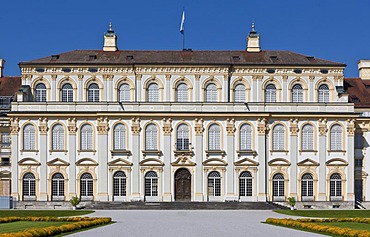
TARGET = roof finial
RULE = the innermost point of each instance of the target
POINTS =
(253, 27)
(110, 26)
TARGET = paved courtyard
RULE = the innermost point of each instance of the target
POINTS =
(202, 223)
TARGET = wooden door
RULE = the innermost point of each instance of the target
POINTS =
(182, 185)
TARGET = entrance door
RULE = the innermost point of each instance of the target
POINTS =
(182, 185)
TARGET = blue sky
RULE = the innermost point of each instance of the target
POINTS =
(337, 30)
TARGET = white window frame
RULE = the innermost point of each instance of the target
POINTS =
(214, 137)
(124, 93)
(151, 137)
(278, 187)
(86, 135)
(29, 138)
(183, 141)
(86, 187)
(211, 93)
(297, 93)
(57, 187)
(119, 137)
(323, 93)
(278, 137)
(245, 184)
(336, 186)
(270, 93)
(336, 138)
(119, 184)
(67, 93)
(182, 92)
(307, 187)
(151, 184)
(245, 137)
(214, 184)
(58, 137)
(307, 143)
(40, 92)
(29, 186)
(240, 93)
(93, 93)
(153, 92)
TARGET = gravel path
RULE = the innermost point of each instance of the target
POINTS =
(202, 223)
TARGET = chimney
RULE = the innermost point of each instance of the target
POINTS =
(110, 40)
(2, 62)
(364, 69)
(253, 41)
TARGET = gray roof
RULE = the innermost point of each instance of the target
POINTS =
(129, 57)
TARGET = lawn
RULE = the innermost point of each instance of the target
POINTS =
(22, 225)
(327, 213)
(38, 213)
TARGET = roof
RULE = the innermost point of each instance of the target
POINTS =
(9, 85)
(359, 91)
(186, 57)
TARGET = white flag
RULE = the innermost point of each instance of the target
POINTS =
(182, 27)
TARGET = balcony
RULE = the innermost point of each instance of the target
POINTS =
(183, 149)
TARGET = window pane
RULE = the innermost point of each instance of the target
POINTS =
(270, 93)
(214, 139)
(86, 137)
(58, 137)
(93, 93)
(211, 93)
(40, 93)
(120, 137)
(239, 93)
(182, 93)
(67, 93)
(153, 93)
(124, 93)
(246, 137)
(151, 137)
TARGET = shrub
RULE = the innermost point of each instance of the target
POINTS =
(75, 201)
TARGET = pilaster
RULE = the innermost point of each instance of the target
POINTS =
(102, 158)
(293, 151)
(72, 149)
(197, 87)
(43, 129)
(168, 88)
(230, 151)
(167, 131)
(322, 160)
(14, 131)
(136, 175)
(350, 159)
(262, 174)
(199, 154)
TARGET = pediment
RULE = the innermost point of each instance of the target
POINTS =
(279, 162)
(29, 161)
(215, 162)
(151, 162)
(246, 162)
(120, 162)
(86, 162)
(183, 161)
(57, 162)
(308, 162)
(336, 162)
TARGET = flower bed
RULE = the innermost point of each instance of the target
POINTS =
(77, 223)
(310, 224)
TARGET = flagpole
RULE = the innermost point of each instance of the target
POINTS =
(182, 28)
(183, 40)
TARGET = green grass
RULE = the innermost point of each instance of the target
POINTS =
(327, 213)
(351, 225)
(22, 225)
(38, 213)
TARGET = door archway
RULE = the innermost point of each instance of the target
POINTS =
(182, 185)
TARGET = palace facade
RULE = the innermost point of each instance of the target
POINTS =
(248, 125)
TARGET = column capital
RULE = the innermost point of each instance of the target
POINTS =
(167, 126)
(135, 126)
(350, 127)
(293, 127)
(230, 127)
(43, 126)
(199, 129)
(72, 126)
(322, 127)
(262, 126)
(14, 126)
(103, 125)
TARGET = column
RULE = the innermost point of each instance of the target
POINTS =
(311, 89)
(139, 89)
(322, 159)
(81, 90)
(366, 162)
(72, 149)
(102, 152)
(167, 151)
(53, 90)
(225, 91)
(15, 146)
(43, 151)
(284, 90)
(350, 159)
(254, 97)
(104, 92)
(230, 156)
(293, 151)
(262, 175)
(199, 151)
(135, 175)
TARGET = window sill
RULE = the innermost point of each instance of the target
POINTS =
(337, 151)
(83, 151)
(307, 151)
(183, 152)
(152, 152)
(121, 152)
(36, 151)
(279, 151)
(65, 151)
(246, 152)
(215, 152)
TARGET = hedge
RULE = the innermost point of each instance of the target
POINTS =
(309, 224)
(77, 223)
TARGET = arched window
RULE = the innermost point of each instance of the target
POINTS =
(87, 186)
(29, 137)
(151, 184)
(58, 137)
(57, 187)
(214, 137)
(40, 93)
(214, 184)
(86, 137)
(119, 184)
(297, 93)
(239, 93)
(124, 93)
(270, 93)
(29, 187)
(67, 93)
(151, 137)
(307, 187)
(323, 93)
(153, 92)
(307, 137)
(245, 137)
(119, 137)
(93, 93)
(182, 93)
(211, 93)
(336, 187)
(182, 142)
(278, 138)
(245, 184)
(336, 138)
(278, 187)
